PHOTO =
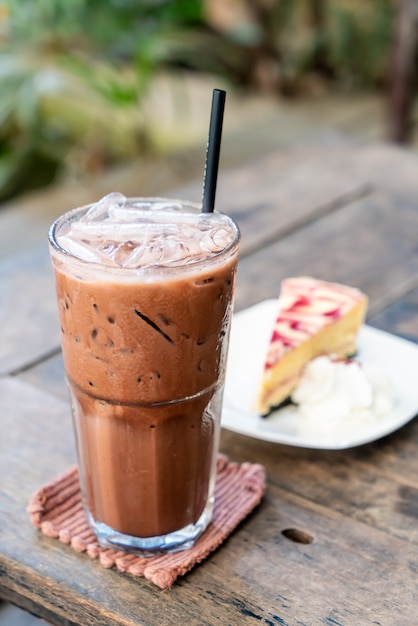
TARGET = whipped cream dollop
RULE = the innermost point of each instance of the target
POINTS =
(341, 395)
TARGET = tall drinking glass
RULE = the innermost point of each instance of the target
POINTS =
(144, 289)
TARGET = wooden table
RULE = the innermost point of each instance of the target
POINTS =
(339, 212)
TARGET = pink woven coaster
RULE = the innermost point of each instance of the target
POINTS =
(57, 510)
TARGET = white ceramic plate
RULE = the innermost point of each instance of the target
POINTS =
(250, 334)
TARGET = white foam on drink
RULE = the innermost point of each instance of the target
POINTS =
(145, 234)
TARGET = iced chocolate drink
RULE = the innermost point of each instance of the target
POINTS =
(144, 290)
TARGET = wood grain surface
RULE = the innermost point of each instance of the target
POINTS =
(335, 539)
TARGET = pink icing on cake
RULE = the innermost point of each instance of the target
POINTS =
(305, 306)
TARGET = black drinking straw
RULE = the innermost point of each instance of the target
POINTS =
(213, 150)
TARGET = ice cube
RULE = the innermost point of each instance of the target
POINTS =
(147, 213)
(119, 252)
(155, 253)
(117, 232)
(167, 206)
(146, 234)
(174, 252)
(129, 214)
(137, 258)
(82, 250)
(100, 209)
(215, 240)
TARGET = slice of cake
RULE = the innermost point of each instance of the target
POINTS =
(314, 318)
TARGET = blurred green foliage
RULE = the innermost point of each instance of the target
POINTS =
(73, 73)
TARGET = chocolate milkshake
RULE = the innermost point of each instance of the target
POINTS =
(144, 290)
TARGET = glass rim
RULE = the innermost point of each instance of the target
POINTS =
(66, 217)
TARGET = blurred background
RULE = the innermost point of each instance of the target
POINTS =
(89, 87)
(115, 95)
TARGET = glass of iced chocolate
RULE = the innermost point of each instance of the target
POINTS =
(145, 288)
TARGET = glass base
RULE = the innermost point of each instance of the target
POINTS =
(151, 546)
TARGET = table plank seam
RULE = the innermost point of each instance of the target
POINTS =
(341, 202)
